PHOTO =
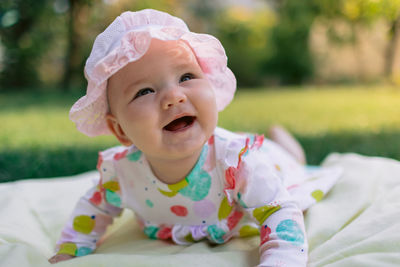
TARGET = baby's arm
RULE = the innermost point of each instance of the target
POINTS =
(260, 191)
(282, 234)
(60, 257)
(91, 216)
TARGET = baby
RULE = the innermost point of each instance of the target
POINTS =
(157, 87)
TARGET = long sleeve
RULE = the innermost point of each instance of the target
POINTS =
(255, 185)
(283, 241)
(93, 212)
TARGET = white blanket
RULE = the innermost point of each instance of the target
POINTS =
(356, 224)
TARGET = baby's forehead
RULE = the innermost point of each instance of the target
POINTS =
(174, 49)
(172, 55)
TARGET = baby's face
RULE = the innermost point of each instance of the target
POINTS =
(162, 103)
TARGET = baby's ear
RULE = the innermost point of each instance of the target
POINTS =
(115, 128)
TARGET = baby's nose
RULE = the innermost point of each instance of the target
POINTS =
(173, 96)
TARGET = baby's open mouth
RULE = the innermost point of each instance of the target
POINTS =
(180, 123)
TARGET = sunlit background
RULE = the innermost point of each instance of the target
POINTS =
(328, 70)
(46, 42)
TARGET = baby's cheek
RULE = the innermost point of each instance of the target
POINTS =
(208, 109)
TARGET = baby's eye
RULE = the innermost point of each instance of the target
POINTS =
(143, 92)
(186, 77)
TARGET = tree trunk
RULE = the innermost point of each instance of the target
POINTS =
(72, 53)
(360, 75)
(394, 36)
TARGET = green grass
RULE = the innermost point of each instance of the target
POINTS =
(38, 140)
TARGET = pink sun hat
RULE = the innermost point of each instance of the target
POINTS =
(126, 40)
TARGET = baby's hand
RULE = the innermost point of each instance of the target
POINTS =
(60, 257)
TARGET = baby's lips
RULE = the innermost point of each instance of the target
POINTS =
(180, 123)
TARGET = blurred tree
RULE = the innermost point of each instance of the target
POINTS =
(169, 6)
(390, 10)
(23, 39)
(363, 13)
(77, 17)
(291, 60)
(202, 15)
(394, 38)
(243, 32)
